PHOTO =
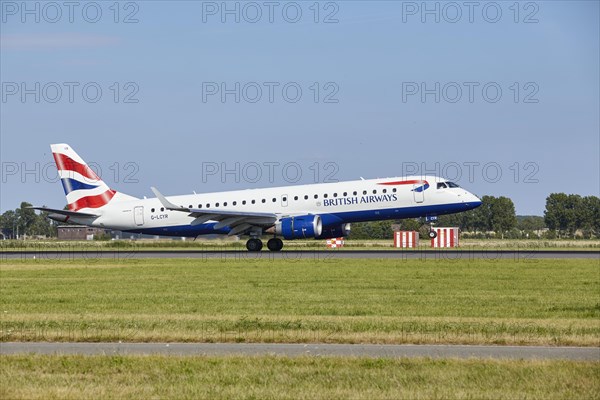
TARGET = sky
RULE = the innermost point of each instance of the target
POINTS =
(502, 97)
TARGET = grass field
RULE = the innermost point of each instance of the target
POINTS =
(231, 244)
(78, 377)
(555, 302)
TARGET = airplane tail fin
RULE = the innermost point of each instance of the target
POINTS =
(83, 188)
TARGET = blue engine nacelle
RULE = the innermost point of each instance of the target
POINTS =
(300, 227)
(335, 231)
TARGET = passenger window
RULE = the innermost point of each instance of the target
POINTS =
(225, 204)
(345, 194)
(243, 202)
(394, 190)
(207, 205)
(284, 199)
(325, 196)
(162, 209)
(305, 197)
(264, 201)
(152, 210)
(217, 205)
(295, 197)
(235, 203)
(253, 201)
(364, 192)
(384, 190)
(355, 193)
(199, 205)
(374, 191)
(316, 196)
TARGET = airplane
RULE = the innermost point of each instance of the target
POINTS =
(318, 211)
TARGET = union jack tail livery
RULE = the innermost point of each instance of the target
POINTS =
(83, 188)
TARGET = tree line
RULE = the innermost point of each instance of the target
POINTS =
(565, 216)
(25, 221)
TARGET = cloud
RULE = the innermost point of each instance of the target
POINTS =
(53, 41)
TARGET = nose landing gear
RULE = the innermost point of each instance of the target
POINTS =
(430, 220)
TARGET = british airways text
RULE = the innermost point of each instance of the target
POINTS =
(345, 201)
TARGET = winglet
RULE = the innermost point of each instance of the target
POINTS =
(166, 203)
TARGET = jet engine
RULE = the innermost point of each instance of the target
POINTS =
(335, 231)
(299, 227)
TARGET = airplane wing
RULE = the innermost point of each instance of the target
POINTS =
(238, 221)
(65, 212)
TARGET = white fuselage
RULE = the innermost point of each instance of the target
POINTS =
(341, 202)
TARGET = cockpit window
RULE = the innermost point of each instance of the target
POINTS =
(441, 185)
(452, 184)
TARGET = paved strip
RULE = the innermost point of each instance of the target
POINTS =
(297, 255)
(343, 350)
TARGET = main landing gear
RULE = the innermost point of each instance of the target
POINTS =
(432, 234)
(254, 244)
(274, 244)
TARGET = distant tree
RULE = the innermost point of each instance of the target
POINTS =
(494, 214)
(381, 229)
(8, 222)
(554, 214)
(575, 213)
(502, 215)
(467, 220)
(482, 215)
(453, 220)
(25, 217)
(365, 230)
(530, 223)
(588, 216)
(25, 221)
(564, 213)
(410, 224)
(594, 204)
(42, 225)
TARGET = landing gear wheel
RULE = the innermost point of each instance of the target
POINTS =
(275, 244)
(432, 234)
(254, 245)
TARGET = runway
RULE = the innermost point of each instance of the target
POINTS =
(294, 350)
(297, 255)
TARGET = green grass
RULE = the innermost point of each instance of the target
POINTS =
(230, 244)
(554, 302)
(126, 377)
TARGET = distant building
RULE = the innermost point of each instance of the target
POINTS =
(79, 232)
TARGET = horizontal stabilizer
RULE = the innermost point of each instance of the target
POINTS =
(65, 212)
